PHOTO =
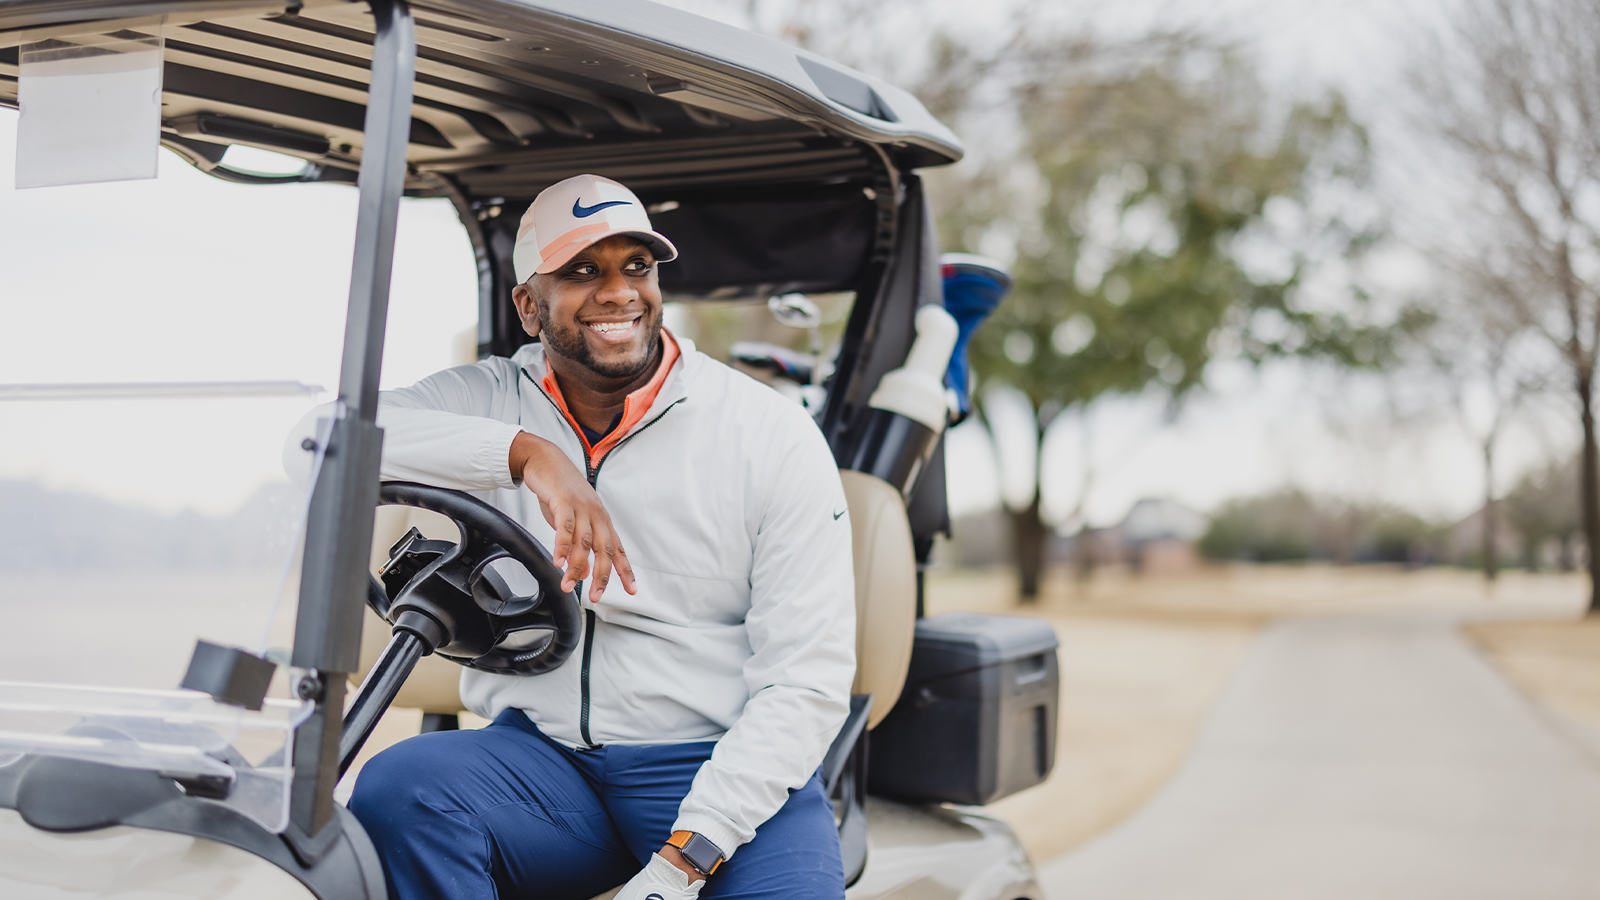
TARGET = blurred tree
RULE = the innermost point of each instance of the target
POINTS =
(1513, 87)
(1290, 524)
(1541, 509)
(1400, 536)
(897, 40)
(1271, 528)
(1490, 364)
(1169, 217)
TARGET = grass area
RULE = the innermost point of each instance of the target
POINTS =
(1556, 662)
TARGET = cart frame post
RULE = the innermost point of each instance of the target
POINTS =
(339, 522)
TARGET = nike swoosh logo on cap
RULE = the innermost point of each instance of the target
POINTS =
(583, 212)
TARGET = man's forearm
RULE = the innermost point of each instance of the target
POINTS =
(445, 449)
(773, 748)
(525, 448)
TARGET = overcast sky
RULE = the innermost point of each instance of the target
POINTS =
(185, 277)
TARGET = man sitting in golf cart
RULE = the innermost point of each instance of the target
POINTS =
(718, 647)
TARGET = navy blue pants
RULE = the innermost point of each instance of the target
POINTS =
(505, 812)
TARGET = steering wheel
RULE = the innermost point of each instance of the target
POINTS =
(451, 596)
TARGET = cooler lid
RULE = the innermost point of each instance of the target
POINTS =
(987, 640)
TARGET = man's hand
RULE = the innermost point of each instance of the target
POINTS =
(664, 879)
(573, 509)
(672, 855)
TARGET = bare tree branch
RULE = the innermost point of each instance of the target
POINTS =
(1514, 91)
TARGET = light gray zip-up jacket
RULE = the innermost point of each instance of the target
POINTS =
(729, 505)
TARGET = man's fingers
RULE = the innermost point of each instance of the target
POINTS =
(582, 527)
(624, 569)
(602, 569)
(565, 524)
(578, 557)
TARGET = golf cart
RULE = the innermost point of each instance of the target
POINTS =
(775, 172)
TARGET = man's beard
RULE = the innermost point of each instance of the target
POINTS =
(571, 345)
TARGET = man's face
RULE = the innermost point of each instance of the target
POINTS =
(602, 310)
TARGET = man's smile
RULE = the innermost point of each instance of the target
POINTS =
(615, 332)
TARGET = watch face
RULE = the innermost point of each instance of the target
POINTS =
(701, 853)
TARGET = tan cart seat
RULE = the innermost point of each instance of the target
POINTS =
(886, 589)
(886, 599)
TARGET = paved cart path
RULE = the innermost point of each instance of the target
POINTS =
(1370, 757)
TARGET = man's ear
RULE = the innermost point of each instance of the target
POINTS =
(527, 309)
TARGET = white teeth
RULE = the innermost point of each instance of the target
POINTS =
(608, 327)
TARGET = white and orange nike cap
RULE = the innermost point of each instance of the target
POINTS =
(570, 215)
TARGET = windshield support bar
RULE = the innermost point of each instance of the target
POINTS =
(381, 182)
(339, 522)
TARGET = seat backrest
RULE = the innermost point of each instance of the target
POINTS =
(886, 598)
(886, 589)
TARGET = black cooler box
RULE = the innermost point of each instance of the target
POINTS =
(977, 718)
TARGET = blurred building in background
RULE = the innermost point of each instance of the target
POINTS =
(1158, 535)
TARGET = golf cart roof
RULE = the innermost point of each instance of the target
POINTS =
(510, 95)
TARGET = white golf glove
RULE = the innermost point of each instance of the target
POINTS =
(660, 880)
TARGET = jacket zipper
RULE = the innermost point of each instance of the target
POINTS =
(588, 651)
(588, 614)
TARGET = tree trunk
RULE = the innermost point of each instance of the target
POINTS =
(1586, 482)
(1083, 552)
(1028, 535)
(1491, 521)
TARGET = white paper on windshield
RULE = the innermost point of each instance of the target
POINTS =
(91, 109)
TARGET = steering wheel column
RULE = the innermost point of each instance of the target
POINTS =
(449, 598)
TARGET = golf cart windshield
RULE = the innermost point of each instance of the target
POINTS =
(144, 504)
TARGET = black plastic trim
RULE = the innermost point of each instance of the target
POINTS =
(846, 90)
(844, 773)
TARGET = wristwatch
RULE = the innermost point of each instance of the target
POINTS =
(698, 850)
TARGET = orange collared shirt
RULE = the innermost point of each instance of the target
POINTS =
(634, 406)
